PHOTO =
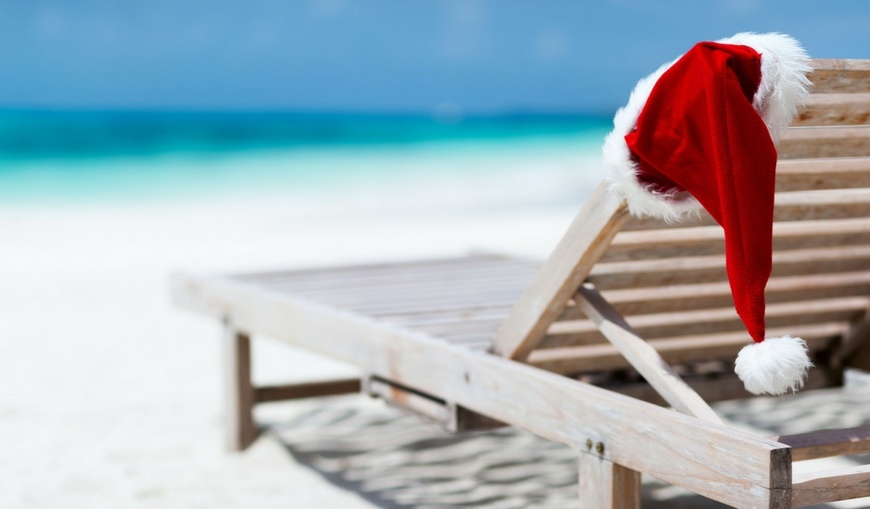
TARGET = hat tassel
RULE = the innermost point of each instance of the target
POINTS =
(773, 366)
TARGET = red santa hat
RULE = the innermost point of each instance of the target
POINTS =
(701, 132)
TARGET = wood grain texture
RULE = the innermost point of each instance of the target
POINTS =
(827, 443)
(834, 109)
(690, 296)
(545, 298)
(711, 268)
(809, 142)
(839, 76)
(824, 173)
(710, 240)
(643, 357)
(707, 347)
(712, 321)
(831, 486)
(731, 466)
(606, 485)
(239, 397)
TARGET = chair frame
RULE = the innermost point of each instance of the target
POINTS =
(617, 436)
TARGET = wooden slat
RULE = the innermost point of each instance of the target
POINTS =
(712, 321)
(643, 357)
(480, 282)
(708, 240)
(790, 206)
(827, 204)
(816, 174)
(834, 109)
(631, 301)
(827, 443)
(802, 142)
(441, 317)
(604, 357)
(506, 299)
(447, 330)
(406, 279)
(750, 471)
(831, 486)
(544, 299)
(265, 394)
(706, 269)
(372, 270)
(840, 76)
(726, 386)
(374, 298)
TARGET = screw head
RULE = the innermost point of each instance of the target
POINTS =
(599, 448)
(588, 444)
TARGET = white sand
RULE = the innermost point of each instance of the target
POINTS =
(109, 396)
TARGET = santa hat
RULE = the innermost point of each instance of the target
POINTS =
(700, 132)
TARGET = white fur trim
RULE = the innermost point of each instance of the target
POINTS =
(783, 87)
(784, 83)
(774, 366)
(622, 171)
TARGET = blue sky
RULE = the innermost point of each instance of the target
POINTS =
(485, 56)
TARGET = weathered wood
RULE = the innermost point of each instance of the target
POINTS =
(839, 76)
(499, 273)
(709, 240)
(706, 269)
(676, 350)
(239, 398)
(745, 471)
(711, 321)
(788, 206)
(506, 299)
(831, 485)
(444, 316)
(474, 297)
(817, 174)
(265, 394)
(561, 275)
(722, 387)
(643, 357)
(800, 142)
(371, 270)
(606, 485)
(834, 109)
(687, 297)
(827, 443)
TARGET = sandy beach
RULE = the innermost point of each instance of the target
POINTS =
(109, 396)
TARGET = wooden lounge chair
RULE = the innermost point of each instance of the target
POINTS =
(626, 315)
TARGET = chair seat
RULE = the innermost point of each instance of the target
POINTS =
(461, 300)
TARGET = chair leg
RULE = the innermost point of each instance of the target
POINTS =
(240, 429)
(606, 485)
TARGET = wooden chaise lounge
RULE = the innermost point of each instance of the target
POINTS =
(626, 315)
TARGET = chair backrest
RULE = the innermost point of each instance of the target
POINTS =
(669, 280)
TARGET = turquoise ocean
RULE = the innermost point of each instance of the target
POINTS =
(59, 156)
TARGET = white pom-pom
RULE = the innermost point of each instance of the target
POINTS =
(774, 366)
